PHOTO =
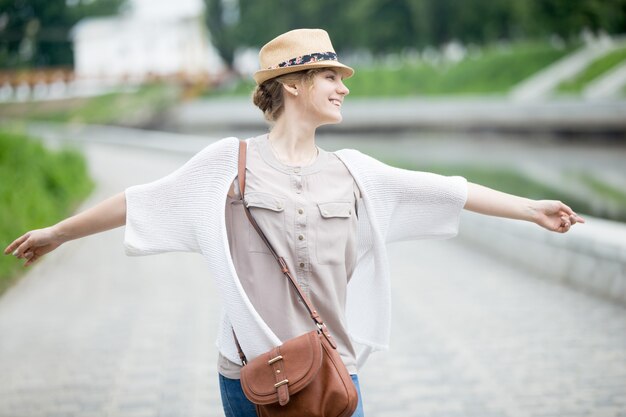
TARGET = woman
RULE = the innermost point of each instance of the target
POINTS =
(329, 214)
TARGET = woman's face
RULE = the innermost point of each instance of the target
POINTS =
(323, 99)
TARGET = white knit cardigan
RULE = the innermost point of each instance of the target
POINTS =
(185, 211)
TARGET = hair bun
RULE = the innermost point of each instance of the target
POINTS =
(262, 99)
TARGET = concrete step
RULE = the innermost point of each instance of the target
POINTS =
(609, 86)
(540, 85)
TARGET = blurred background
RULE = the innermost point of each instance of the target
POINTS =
(525, 96)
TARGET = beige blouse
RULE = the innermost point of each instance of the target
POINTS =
(309, 215)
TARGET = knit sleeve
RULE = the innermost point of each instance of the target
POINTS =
(164, 215)
(414, 204)
(428, 206)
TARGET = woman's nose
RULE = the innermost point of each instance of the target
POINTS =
(343, 89)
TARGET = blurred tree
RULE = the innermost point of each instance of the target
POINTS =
(439, 21)
(35, 33)
(568, 17)
(391, 25)
(222, 29)
(379, 25)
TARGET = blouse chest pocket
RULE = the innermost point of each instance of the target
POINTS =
(332, 231)
(269, 212)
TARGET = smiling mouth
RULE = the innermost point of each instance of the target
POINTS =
(335, 102)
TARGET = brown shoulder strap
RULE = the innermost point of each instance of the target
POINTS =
(281, 261)
(241, 168)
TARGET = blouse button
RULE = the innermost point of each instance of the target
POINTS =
(301, 264)
(301, 237)
(300, 211)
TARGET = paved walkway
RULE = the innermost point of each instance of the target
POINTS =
(91, 332)
(475, 337)
(540, 85)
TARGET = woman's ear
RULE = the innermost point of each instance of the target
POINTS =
(291, 89)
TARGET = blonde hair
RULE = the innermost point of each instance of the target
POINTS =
(268, 96)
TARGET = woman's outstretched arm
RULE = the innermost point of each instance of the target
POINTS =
(550, 214)
(108, 214)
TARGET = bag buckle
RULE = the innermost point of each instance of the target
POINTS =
(276, 359)
(281, 383)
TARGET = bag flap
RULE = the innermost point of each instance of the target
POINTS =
(300, 363)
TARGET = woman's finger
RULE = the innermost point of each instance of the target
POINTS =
(32, 257)
(17, 242)
(31, 260)
(23, 248)
(565, 224)
(574, 218)
(567, 209)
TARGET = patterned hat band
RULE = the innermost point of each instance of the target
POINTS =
(305, 59)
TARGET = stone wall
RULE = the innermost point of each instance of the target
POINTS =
(591, 257)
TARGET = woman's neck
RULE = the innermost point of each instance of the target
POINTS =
(293, 142)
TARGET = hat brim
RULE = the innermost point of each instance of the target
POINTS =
(263, 75)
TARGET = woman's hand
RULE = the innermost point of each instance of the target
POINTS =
(550, 214)
(34, 244)
(106, 215)
(554, 215)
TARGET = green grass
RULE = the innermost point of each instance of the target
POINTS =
(594, 70)
(603, 189)
(607, 200)
(489, 70)
(112, 108)
(493, 71)
(240, 88)
(38, 188)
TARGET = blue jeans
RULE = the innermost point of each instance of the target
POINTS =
(237, 405)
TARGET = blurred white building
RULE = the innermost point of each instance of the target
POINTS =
(154, 38)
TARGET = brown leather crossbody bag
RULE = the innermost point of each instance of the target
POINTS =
(304, 376)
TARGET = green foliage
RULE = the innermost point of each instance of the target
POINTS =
(36, 33)
(471, 21)
(386, 26)
(38, 188)
(568, 17)
(223, 34)
(597, 68)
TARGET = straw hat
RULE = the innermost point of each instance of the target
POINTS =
(298, 50)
